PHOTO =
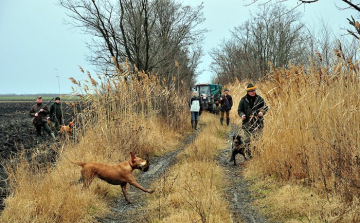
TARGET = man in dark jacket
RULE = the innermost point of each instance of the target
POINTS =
(39, 111)
(252, 108)
(226, 103)
(56, 115)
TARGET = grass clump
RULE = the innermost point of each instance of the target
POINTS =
(192, 190)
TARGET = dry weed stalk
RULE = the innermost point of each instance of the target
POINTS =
(191, 190)
(128, 112)
(311, 133)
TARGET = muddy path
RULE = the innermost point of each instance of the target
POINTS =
(129, 213)
(238, 193)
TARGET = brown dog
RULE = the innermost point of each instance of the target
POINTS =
(67, 129)
(118, 174)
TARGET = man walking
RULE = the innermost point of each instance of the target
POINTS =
(226, 103)
(39, 111)
(56, 115)
(252, 108)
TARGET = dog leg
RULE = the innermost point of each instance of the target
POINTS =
(87, 176)
(136, 184)
(124, 190)
(80, 180)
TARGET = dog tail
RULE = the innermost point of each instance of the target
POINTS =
(79, 163)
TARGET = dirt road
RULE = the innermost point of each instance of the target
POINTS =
(238, 194)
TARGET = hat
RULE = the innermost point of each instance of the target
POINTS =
(226, 89)
(39, 97)
(250, 87)
(57, 98)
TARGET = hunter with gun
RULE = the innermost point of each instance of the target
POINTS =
(40, 111)
(252, 108)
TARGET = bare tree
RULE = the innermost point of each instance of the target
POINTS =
(269, 36)
(348, 5)
(150, 34)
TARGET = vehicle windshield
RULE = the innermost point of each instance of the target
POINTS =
(204, 90)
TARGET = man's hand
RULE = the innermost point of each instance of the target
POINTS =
(260, 114)
(36, 114)
(41, 110)
(243, 117)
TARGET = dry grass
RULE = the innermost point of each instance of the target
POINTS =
(113, 118)
(192, 190)
(310, 139)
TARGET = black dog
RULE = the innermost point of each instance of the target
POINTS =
(238, 147)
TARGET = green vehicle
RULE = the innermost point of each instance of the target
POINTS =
(209, 95)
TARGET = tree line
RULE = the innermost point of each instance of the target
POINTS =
(163, 37)
(276, 36)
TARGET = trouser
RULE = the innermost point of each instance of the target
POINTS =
(194, 116)
(56, 124)
(194, 119)
(251, 136)
(222, 114)
(45, 126)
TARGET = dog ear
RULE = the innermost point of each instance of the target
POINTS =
(132, 155)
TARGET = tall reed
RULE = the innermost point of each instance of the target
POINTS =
(311, 133)
(131, 111)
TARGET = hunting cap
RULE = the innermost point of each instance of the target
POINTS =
(250, 87)
(226, 89)
(57, 98)
(39, 97)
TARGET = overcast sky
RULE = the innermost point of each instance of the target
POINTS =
(39, 51)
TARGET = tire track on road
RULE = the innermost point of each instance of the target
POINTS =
(128, 213)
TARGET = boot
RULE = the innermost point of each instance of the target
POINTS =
(196, 122)
(227, 121)
(53, 136)
(192, 124)
(221, 120)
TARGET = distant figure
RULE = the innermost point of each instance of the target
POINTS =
(39, 111)
(56, 115)
(195, 109)
(226, 104)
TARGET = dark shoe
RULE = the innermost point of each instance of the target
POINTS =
(192, 124)
(227, 121)
(196, 122)
(221, 121)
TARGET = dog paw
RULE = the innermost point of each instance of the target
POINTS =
(151, 191)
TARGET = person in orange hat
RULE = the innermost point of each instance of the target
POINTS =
(251, 109)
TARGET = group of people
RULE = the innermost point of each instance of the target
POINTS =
(42, 113)
(251, 110)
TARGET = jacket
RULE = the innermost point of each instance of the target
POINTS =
(42, 115)
(226, 103)
(250, 107)
(195, 104)
(55, 112)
